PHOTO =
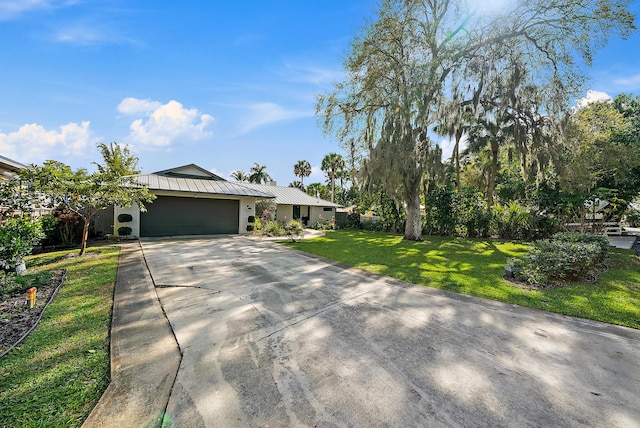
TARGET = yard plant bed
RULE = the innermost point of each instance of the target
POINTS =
(476, 267)
(56, 375)
(17, 318)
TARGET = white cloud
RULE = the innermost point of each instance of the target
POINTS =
(630, 83)
(164, 124)
(316, 175)
(261, 114)
(90, 34)
(133, 106)
(312, 74)
(592, 97)
(10, 9)
(32, 143)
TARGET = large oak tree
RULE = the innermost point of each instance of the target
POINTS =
(403, 67)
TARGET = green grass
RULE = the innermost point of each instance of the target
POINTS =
(476, 266)
(57, 375)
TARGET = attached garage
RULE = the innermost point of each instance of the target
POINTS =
(174, 216)
(191, 201)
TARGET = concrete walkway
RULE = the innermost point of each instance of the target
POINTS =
(144, 354)
(270, 336)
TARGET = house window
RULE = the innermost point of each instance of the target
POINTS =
(327, 209)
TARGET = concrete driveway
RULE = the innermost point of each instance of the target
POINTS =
(271, 337)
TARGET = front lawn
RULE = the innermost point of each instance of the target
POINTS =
(56, 376)
(476, 266)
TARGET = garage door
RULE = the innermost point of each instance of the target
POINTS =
(174, 216)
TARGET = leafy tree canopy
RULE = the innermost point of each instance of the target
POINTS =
(86, 194)
(406, 68)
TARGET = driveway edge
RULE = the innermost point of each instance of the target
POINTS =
(584, 323)
(145, 356)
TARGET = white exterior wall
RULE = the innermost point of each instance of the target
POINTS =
(316, 212)
(247, 208)
(134, 210)
(284, 211)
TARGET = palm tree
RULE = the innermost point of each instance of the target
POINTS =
(240, 175)
(258, 175)
(297, 185)
(494, 130)
(317, 190)
(457, 120)
(302, 169)
(331, 164)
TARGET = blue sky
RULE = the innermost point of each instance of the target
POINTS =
(218, 84)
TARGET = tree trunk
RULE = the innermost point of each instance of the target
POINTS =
(456, 157)
(85, 235)
(333, 186)
(413, 227)
(494, 172)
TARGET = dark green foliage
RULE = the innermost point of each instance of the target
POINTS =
(125, 218)
(8, 283)
(353, 220)
(251, 219)
(457, 213)
(49, 224)
(61, 228)
(124, 231)
(18, 236)
(512, 222)
(568, 256)
(587, 238)
(249, 228)
(372, 226)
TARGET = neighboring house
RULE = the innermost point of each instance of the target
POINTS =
(293, 203)
(9, 168)
(191, 201)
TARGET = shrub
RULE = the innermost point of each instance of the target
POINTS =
(124, 231)
(633, 217)
(125, 218)
(251, 219)
(273, 228)
(8, 284)
(373, 226)
(568, 257)
(512, 222)
(457, 213)
(18, 236)
(293, 227)
(50, 227)
(353, 220)
(249, 228)
(600, 241)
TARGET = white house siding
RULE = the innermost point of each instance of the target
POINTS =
(247, 208)
(134, 210)
(284, 211)
(319, 215)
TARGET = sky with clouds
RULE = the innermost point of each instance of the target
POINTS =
(218, 84)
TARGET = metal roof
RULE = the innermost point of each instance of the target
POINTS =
(195, 185)
(291, 195)
(10, 164)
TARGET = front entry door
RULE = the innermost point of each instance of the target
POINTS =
(296, 212)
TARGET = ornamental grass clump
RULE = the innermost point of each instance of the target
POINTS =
(566, 257)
